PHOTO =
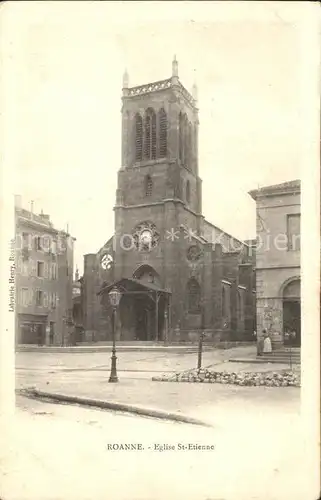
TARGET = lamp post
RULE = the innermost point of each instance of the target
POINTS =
(166, 328)
(200, 342)
(114, 298)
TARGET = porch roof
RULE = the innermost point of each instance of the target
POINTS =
(132, 285)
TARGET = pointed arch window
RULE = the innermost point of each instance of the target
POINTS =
(148, 187)
(181, 137)
(188, 191)
(240, 309)
(193, 296)
(226, 307)
(138, 137)
(162, 133)
(223, 302)
(150, 135)
(185, 142)
(189, 145)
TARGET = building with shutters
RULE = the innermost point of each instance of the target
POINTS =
(178, 273)
(44, 279)
(278, 268)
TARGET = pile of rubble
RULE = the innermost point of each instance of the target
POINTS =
(273, 379)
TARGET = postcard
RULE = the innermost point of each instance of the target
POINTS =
(160, 209)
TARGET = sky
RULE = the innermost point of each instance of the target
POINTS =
(63, 65)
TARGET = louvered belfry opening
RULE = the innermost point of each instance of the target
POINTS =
(162, 133)
(150, 135)
(139, 137)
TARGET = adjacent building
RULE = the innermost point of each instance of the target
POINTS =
(278, 297)
(179, 274)
(44, 277)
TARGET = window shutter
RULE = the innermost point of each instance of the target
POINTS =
(45, 299)
(53, 247)
(31, 299)
(25, 268)
(46, 243)
(45, 270)
(19, 265)
(33, 268)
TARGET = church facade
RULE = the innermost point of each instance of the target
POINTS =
(178, 273)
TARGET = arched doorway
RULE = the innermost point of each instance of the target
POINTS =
(149, 307)
(292, 312)
(147, 274)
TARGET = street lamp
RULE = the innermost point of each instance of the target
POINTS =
(200, 342)
(114, 298)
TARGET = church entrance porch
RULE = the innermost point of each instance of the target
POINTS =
(149, 317)
(142, 313)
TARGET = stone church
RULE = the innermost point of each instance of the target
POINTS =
(178, 273)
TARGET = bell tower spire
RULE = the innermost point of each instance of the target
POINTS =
(195, 89)
(175, 67)
(125, 79)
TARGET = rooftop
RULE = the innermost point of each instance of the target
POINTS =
(288, 187)
(172, 82)
(38, 221)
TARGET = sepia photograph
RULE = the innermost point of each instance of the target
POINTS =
(160, 214)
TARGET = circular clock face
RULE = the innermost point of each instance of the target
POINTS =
(145, 236)
(106, 261)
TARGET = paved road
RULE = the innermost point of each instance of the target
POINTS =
(197, 400)
(59, 453)
(139, 362)
(80, 375)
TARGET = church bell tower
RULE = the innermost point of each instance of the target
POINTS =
(159, 191)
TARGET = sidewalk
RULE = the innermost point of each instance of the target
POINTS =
(108, 348)
(156, 361)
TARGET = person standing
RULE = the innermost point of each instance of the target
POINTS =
(260, 343)
(267, 344)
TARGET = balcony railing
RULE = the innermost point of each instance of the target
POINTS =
(156, 86)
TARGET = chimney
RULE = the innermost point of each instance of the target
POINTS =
(45, 217)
